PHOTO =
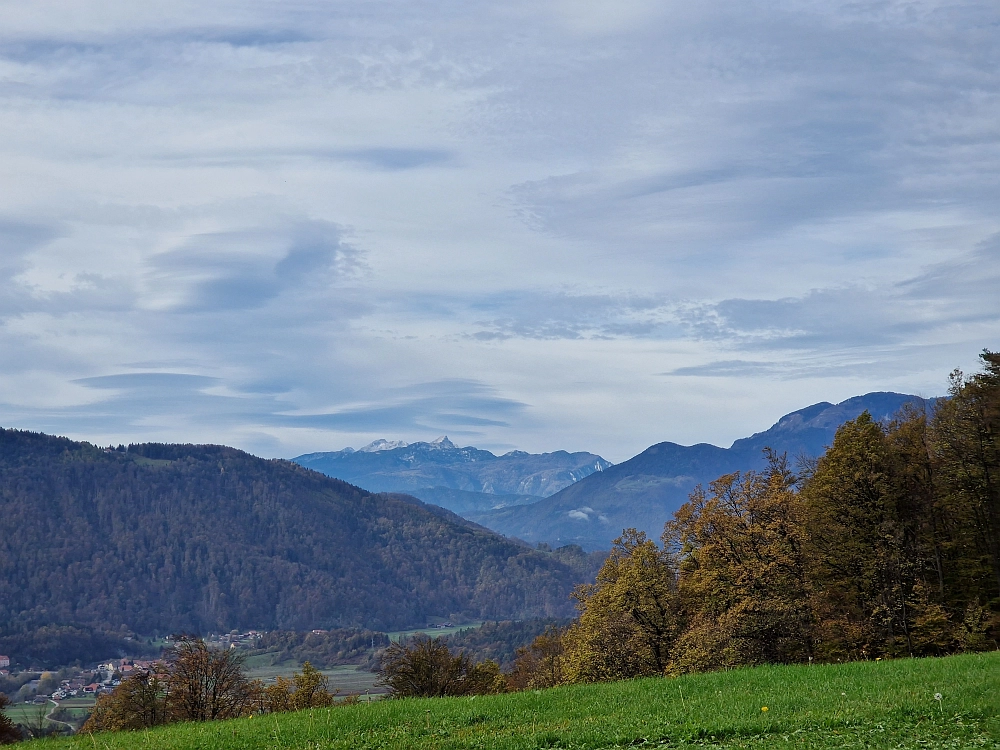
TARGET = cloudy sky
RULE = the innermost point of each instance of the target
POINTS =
(582, 224)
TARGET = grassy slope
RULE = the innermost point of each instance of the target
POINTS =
(870, 705)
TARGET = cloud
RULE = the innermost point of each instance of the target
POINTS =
(727, 368)
(150, 381)
(564, 315)
(191, 401)
(603, 223)
(941, 297)
(249, 268)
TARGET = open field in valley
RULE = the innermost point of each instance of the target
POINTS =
(888, 704)
(395, 635)
(27, 713)
(347, 678)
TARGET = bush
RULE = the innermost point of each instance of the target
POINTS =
(427, 668)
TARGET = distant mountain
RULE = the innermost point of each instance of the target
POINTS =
(460, 479)
(195, 538)
(645, 490)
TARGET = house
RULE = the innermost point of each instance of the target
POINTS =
(4, 661)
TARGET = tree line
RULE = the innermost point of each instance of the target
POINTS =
(321, 649)
(887, 546)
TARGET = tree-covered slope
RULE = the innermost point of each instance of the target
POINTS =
(168, 538)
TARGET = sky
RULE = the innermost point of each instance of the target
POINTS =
(559, 224)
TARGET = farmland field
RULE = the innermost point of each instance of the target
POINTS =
(347, 678)
(24, 713)
(435, 632)
(909, 703)
(75, 710)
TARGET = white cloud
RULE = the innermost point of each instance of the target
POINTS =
(322, 210)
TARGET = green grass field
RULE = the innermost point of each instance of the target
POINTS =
(862, 705)
(77, 708)
(395, 635)
(24, 713)
(346, 678)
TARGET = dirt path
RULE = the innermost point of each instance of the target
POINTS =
(48, 716)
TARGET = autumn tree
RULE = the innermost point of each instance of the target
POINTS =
(309, 688)
(205, 685)
(539, 664)
(139, 702)
(742, 583)
(966, 447)
(628, 617)
(856, 547)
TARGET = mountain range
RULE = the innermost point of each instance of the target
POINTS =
(591, 500)
(644, 491)
(463, 480)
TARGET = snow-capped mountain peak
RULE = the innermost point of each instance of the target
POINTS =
(383, 445)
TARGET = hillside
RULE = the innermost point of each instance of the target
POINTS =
(888, 704)
(645, 490)
(170, 538)
(428, 470)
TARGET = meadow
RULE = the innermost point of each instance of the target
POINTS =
(951, 702)
(437, 632)
(346, 678)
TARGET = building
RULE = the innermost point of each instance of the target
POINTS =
(4, 661)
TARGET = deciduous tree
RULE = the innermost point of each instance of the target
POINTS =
(139, 702)
(427, 668)
(204, 685)
(628, 619)
(742, 581)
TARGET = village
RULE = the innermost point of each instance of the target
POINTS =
(80, 686)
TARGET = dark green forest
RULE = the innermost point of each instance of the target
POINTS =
(160, 539)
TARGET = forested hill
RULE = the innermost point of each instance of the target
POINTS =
(170, 538)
